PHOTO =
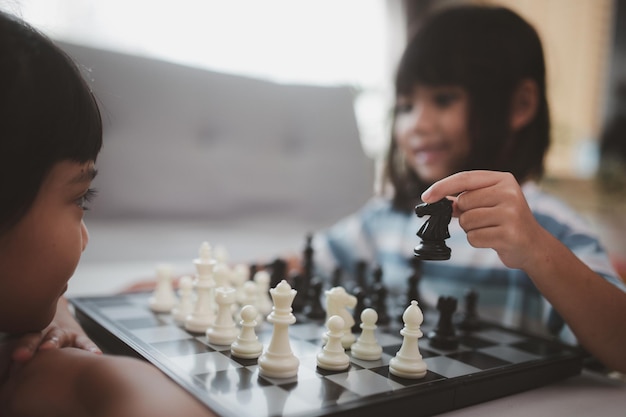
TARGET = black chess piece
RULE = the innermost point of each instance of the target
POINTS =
(379, 297)
(302, 280)
(444, 336)
(278, 271)
(253, 270)
(361, 304)
(434, 231)
(307, 263)
(413, 292)
(337, 277)
(470, 320)
(299, 302)
(360, 273)
(316, 309)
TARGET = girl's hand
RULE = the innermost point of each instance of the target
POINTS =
(493, 212)
(63, 331)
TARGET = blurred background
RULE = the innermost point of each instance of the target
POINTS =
(250, 123)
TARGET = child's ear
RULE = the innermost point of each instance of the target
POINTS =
(524, 105)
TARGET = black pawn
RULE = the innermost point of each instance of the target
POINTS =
(470, 320)
(444, 336)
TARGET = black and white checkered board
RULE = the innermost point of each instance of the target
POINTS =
(489, 363)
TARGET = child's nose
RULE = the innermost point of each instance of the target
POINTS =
(423, 119)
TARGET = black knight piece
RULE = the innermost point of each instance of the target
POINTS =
(434, 231)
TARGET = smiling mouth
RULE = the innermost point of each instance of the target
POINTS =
(430, 154)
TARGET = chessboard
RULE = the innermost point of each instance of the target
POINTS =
(488, 363)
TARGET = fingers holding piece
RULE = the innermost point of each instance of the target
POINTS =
(462, 181)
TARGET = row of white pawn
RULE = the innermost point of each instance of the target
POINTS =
(407, 363)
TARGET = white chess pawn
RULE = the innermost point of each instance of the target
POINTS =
(408, 362)
(333, 356)
(366, 346)
(224, 330)
(264, 301)
(278, 361)
(185, 305)
(163, 298)
(247, 345)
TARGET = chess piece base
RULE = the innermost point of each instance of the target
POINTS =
(411, 370)
(278, 366)
(433, 250)
(469, 324)
(444, 342)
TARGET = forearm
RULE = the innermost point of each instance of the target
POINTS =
(594, 309)
(71, 382)
(125, 387)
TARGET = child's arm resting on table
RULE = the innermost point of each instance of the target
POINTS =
(494, 213)
(72, 382)
(63, 331)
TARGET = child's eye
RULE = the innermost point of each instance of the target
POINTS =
(444, 99)
(84, 200)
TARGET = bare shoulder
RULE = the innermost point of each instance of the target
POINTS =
(71, 382)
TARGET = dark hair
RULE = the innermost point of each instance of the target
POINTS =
(487, 51)
(47, 114)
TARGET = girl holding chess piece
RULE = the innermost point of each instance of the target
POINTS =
(50, 135)
(471, 124)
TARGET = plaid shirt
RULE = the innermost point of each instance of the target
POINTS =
(385, 237)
